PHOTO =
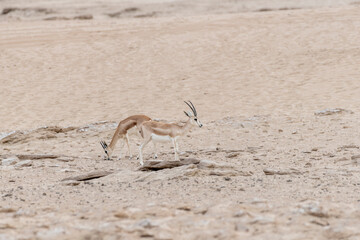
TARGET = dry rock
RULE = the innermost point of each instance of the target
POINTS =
(232, 155)
(6, 226)
(240, 227)
(262, 220)
(121, 214)
(25, 163)
(269, 171)
(158, 164)
(207, 164)
(9, 161)
(88, 176)
(145, 223)
(65, 159)
(71, 183)
(7, 210)
(331, 111)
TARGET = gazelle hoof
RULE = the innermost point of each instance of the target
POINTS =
(155, 156)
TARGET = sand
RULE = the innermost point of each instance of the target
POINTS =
(277, 92)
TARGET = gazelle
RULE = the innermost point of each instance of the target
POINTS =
(160, 131)
(122, 133)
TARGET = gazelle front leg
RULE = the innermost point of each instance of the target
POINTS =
(122, 145)
(146, 141)
(175, 149)
(155, 151)
(128, 145)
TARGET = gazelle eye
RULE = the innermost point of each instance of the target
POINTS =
(195, 119)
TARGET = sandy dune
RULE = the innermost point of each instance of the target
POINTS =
(277, 92)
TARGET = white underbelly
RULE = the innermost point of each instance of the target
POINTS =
(160, 138)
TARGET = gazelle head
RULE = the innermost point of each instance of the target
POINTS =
(106, 149)
(193, 116)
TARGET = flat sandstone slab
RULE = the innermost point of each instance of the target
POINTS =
(154, 165)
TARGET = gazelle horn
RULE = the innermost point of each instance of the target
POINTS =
(191, 107)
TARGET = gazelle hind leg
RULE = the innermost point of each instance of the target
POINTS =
(146, 141)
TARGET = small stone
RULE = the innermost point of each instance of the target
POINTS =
(232, 155)
(239, 213)
(185, 208)
(340, 159)
(7, 210)
(320, 222)
(227, 178)
(84, 17)
(327, 111)
(145, 223)
(316, 211)
(355, 159)
(121, 215)
(241, 227)
(200, 210)
(70, 183)
(146, 235)
(67, 170)
(262, 220)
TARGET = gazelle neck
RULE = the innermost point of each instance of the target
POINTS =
(113, 142)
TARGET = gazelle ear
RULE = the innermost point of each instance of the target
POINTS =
(188, 114)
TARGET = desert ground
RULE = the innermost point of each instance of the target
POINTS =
(275, 83)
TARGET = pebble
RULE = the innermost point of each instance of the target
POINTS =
(145, 223)
(239, 213)
(241, 227)
(7, 210)
(70, 183)
(232, 155)
(121, 214)
(68, 170)
(355, 159)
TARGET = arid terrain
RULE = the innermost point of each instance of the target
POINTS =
(275, 83)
